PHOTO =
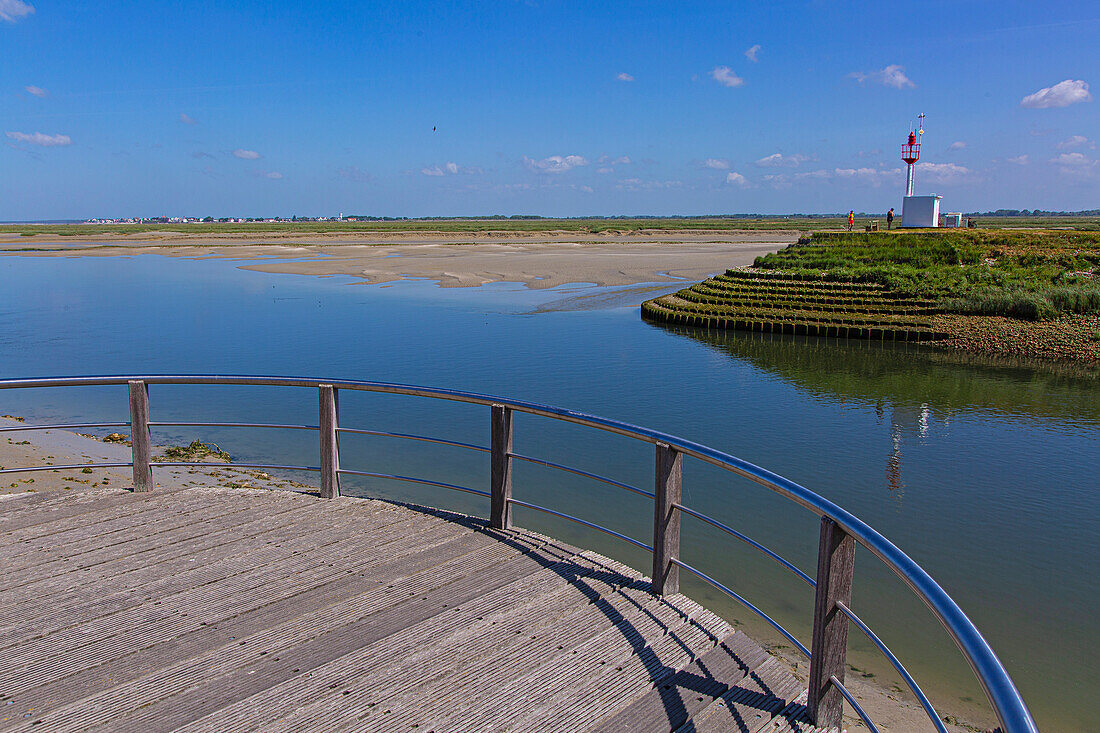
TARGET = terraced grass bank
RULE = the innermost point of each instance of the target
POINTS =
(1027, 293)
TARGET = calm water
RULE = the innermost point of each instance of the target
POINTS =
(984, 472)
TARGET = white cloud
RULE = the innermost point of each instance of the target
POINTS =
(246, 154)
(199, 155)
(870, 176)
(943, 173)
(818, 175)
(750, 53)
(38, 138)
(448, 169)
(1018, 160)
(13, 10)
(1072, 159)
(778, 160)
(777, 180)
(605, 170)
(1077, 166)
(637, 184)
(624, 77)
(734, 178)
(273, 175)
(1076, 141)
(892, 76)
(36, 91)
(187, 119)
(1062, 94)
(718, 164)
(957, 145)
(555, 163)
(724, 75)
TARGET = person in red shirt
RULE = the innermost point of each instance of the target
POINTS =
(851, 219)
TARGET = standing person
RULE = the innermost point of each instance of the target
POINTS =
(851, 219)
(889, 218)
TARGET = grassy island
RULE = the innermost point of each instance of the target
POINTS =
(1034, 293)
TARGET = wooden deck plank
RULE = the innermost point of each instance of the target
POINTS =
(203, 609)
(36, 507)
(675, 700)
(132, 572)
(36, 662)
(136, 527)
(168, 581)
(388, 608)
(402, 579)
(512, 679)
(148, 550)
(99, 516)
(750, 705)
(483, 630)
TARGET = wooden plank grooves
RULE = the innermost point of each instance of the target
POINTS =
(473, 634)
(672, 702)
(203, 609)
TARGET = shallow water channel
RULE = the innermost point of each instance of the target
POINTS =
(985, 472)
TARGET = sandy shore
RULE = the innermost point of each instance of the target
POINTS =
(64, 448)
(887, 708)
(538, 260)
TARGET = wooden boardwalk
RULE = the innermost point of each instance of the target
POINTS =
(209, 609)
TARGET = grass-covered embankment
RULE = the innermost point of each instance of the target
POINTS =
(1027, 292)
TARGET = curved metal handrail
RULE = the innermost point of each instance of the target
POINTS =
(1005, 699)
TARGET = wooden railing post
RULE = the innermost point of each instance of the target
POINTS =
(328, 413)
(140, 440)
(666, 520)
(500, 479)
(836, 555)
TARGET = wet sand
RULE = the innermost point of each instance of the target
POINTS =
(538, 260)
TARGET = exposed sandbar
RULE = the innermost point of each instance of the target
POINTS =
(538, 260)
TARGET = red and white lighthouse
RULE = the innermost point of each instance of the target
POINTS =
(917, 211)
(910, 153)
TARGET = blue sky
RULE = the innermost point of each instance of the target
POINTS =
(544, 107)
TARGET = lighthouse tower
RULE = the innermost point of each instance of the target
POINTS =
(917, 211)
(910, 153)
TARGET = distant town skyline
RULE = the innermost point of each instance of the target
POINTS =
(545, 108)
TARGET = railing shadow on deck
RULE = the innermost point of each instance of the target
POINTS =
(840, 530)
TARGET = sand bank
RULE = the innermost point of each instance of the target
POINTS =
(452, 259)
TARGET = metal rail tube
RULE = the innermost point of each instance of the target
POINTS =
(775, 624)
(230, 425)
(424, 481)
(408, 436)
(66, 468)
(1012, 713)
(924, 701)
(586, 474)
(578, 520)
(725, 528)
(231, 466)
(852, 701)
(68, 426)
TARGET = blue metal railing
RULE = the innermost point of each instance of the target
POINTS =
(1006, 702)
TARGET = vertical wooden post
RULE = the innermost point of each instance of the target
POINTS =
(330, 444)
(666, 520)
(836, 556)
(500, 479)
(140, 440)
